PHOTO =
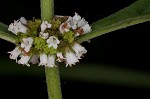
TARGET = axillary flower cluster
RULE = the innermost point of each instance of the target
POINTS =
(45, 42)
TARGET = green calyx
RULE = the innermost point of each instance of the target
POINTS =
(69, 36)
(50, 50)
(33, 27)
(39, 43)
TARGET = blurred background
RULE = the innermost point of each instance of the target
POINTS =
(117, 63)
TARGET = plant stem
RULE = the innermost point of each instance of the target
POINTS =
(53, 83)
(47, 9)
(52, 74)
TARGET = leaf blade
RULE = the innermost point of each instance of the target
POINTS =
(6, 35)
(136, 13)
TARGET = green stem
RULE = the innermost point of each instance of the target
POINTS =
(53, 83)
(52, 74)
(47, 9)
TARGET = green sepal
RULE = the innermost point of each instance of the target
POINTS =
(50, 50)
(69, 36)
(33, 27)
(39, 43)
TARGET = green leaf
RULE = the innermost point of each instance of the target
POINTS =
(6, 35)
(136, 13)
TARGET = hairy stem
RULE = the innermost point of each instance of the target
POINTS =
(47, 9)
(52, 74)
(53, 83)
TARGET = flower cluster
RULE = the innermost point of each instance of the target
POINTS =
(45, 42)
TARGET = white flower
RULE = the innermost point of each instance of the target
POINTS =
(60, 57)
(82, 22)
(76, 18)
(27, 43)
(45, 25)
(79, 50)
(21, 28)
(51, 61)
(34, 59)
(24, 60)
(71, 23)
(53, 41)
(23, 20)
(64, 27)
(17, 27)
(44, 35)
(71, 58)
(86, 28)
(15, 53)
(43, 59)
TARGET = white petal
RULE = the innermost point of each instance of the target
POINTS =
(82, 22)
(64, 27)
(71, 58)
(27, 43)
(15, 53)
(17, 27)
(23, 20)
(43, 59)
(53, 41)
(71, 23)
(86, 28)
(79, 50)
(45, 25)
(60, 57)
(24, 60)
(76, 18)
(21, 28)
(77, 34)
(13, 28)
(34, 59)
(51, 61)
(44, 35)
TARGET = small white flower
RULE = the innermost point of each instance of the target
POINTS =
(34, 59)
(79, 50)
(53, 41)
(64, 27)
(71, 23)
(24, 60)
(51, 61)
(76, 18)
(44, 35)
(86, 28)
(15, 53)
(60, 57)
(17, 27)
(13, 28)
(82, 22)
(43, 59)
(45, 25)
(27, 43)
(23, 20)
(71, 58)
(21, 28)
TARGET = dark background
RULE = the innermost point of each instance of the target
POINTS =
(125, 48)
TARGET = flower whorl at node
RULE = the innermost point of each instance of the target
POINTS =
(44, 42)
